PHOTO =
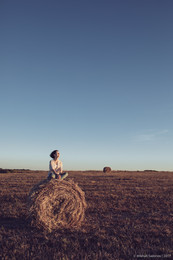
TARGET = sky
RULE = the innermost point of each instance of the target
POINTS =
(91, 78)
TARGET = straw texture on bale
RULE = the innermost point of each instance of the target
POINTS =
(56, 204)
(107, 169)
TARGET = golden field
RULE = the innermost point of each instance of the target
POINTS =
(129, 216)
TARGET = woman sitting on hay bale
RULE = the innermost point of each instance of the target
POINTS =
(54, 204)
(56, 167)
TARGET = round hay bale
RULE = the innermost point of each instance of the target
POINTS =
(107, 169)
(56, 204)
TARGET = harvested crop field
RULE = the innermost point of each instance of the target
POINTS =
(129, 215)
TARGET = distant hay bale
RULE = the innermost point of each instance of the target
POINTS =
(106, 169)
(56, 204)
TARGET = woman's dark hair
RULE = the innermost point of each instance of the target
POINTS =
(52, 155)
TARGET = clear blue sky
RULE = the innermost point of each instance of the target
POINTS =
(92, 78)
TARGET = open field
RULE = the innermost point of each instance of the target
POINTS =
(129, 215)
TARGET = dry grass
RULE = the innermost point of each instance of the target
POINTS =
(57, 205)
(129, 214)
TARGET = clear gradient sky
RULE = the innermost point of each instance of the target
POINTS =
(92, 78)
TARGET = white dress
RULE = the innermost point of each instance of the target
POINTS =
(55, 166)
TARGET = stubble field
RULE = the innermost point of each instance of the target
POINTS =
(129, 216)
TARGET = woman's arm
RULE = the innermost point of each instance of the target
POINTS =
(53, 167)
(56, 172)
(59, 169)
